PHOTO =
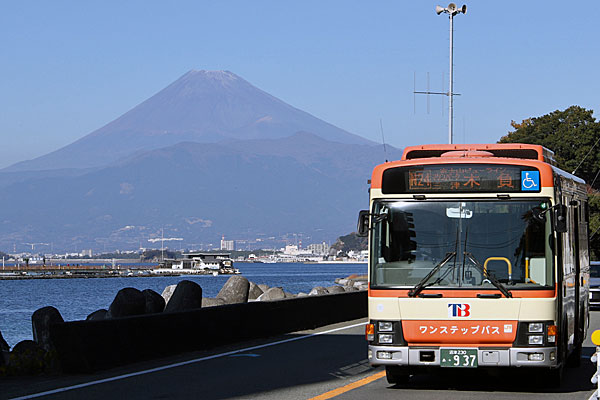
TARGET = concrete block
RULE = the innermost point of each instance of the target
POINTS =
(127, 302)
(168, 292)
(275, 293)
(40, 323)
(335, 289)
(318, 291)
(254, 291)
(210, 302)
(235, 290)
(155, 303)
(97, 315)
(187, 296)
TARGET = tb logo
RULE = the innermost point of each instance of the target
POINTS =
(459, 310)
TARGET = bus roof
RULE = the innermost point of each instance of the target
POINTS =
(505, 150)
(498, 153)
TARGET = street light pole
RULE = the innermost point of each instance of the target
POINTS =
(452, 10)
(450, 92)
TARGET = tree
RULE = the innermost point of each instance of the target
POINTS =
(349, 242)
(574, 136)
(150, 255)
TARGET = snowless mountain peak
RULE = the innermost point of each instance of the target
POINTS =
(201, 106)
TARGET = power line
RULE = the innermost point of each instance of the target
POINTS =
(588, 153)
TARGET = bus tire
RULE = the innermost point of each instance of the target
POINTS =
(397, 375)
(556, 374)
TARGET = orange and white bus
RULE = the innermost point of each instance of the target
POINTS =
(478, 257)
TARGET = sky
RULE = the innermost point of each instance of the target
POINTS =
(70, 67)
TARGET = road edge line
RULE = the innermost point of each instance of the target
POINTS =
(179, 364)
(351, 386)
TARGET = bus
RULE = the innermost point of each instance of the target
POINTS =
(478, 258)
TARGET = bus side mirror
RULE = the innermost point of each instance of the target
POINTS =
(560, 218)
(363, 223)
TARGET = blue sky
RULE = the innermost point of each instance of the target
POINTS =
(69, 67)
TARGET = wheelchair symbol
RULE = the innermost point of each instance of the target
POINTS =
(528, 183)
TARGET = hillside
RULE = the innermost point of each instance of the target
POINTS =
(241, 189)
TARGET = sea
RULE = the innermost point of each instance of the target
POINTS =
(76, 298)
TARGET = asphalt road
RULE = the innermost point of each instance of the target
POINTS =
(303, 365)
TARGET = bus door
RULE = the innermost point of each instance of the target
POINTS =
(570, 271)
(575, 225)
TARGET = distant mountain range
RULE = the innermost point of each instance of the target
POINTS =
(209, 155)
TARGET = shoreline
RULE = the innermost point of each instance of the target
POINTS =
(107, 273)
(120, 271)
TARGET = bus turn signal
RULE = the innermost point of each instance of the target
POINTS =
(552, 331)
(370, 332)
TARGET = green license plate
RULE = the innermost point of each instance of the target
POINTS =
(458, 358)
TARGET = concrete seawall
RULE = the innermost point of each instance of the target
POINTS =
(86, 346)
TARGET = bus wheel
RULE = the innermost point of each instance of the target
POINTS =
(554, 377)
(396, 375)
(556, 374)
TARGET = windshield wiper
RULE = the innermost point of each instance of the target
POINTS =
(489, 276)
(421, 285)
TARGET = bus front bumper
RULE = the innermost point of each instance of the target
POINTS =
(486, 357)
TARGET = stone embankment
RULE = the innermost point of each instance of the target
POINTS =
(144, 324)
(359, 282)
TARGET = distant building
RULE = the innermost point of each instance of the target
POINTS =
(228, 245)
(200, 260)
(291, 249)
(318, 248)
(86, 253)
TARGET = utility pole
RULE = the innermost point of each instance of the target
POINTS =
(162, 239)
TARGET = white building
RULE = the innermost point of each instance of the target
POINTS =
(86, 253)
(318, 248)
(291, 249)
(228, 245)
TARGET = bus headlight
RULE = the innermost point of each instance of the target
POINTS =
(536, 327)
(385, 326)
(385, 338)
(536, 339)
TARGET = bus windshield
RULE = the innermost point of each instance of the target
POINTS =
(462, 243)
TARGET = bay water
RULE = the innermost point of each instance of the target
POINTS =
(76, 298)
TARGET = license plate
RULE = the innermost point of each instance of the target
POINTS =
(459, 358)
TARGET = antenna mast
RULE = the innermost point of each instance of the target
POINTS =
(383, 140)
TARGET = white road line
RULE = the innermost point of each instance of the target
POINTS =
(593, 396)
(179, 364)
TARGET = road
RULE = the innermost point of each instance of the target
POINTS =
(325, 363)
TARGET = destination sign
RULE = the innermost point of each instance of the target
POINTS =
(461, 178)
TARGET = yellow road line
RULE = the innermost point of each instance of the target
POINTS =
(350, 386)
